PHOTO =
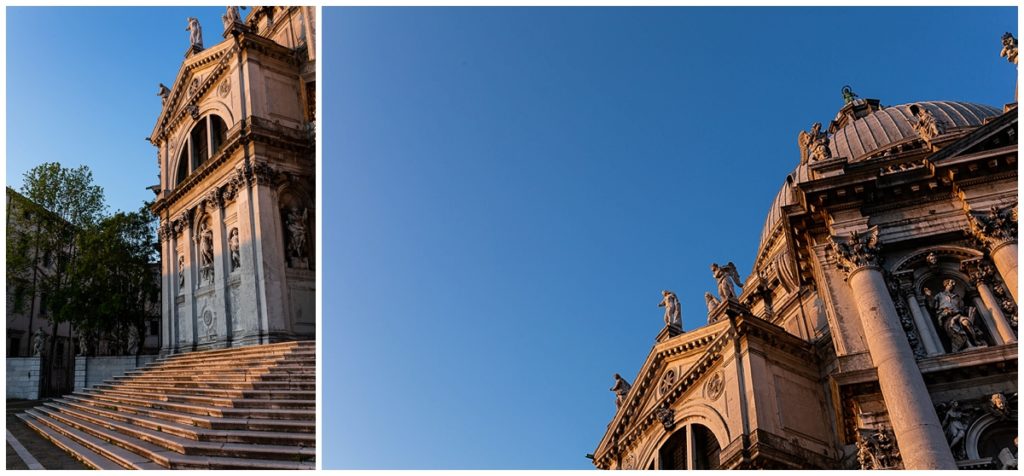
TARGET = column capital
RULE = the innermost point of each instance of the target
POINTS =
(995, 227)
(978, 270)
(858, 251)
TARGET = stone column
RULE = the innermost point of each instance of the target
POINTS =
(187, 320)
(919, 433)
(167, 285)
(982, 275)
(270, 252)
(929, 338)
(1004, 255)
(997, 229)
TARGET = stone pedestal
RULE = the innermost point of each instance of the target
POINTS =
(668, 332)
(919, 433)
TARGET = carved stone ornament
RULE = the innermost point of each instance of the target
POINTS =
(714, 387)
(667, 417)
(630, 462)
(181, 274)
(995, 226)
(858, 251)
(621, 389)
(296, 227)
(38, 342)
(877, 449)
(195, 36)
(927, 126)
(953, 317)
(204, 240)
(898, 289)
(224, 88)
(133, 340)
(193, 111)
(193, 86)
(667, 381)
(209, 320)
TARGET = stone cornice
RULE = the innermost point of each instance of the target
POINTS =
(176, 107)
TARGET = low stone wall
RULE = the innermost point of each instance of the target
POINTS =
(90, 371)
(23, 377)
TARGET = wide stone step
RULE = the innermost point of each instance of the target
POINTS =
(255, 424)
(250, 370)
(217, 392)
(190, 432)
(120, 457)
(206, 410)
(246, 350)
(227, 378)
(71, 441)
(251, 357)
(216, 401)
(236, 456)
(271, 386)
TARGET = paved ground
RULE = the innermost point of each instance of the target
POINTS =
(50, 456)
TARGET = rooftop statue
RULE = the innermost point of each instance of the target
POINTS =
(711, 302)
(231, 17)
(673, 315)
(1009, 48)
(196, 33)
(726, 276)
(621, 389)
(814, 144)
(163, 92)
(848, 95)
(927, 126)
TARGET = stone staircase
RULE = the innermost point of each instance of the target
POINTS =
(242, 408)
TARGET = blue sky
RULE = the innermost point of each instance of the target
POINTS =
(506, 192)
(81, 89)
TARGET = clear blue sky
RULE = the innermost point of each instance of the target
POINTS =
(506, 191)
(81, 89)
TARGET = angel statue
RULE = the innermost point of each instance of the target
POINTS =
(621, 389)
(195, 33)
(163, 92)
(231, 16)
(673, 316)
(954, 424)
(726, 276)
(948, 307)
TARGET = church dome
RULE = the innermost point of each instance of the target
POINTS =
(889, 126)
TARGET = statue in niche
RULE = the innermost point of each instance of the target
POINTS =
(38, 342)
(1009, 48)
(195, 36)
(204, 236)
(133, 340)
(236, 261)
(181, 274)
(83, 344)
(673, 316)
(296, 226)
(954, 423)
(621, 389)
(726, 276)
(960, 328)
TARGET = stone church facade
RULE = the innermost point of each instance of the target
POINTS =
(236, 146)
(878, 328)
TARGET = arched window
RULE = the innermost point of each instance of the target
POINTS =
(203, 142)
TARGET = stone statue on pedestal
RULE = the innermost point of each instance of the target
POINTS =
(181, 273)
(163, 92)
(621, 389)
(726, 276)
(954, 423)
(673, 315)
(927, 126)
(133, 340)
(231, 17)
(710, 300)
(814, 144)
(38, 342)
(195, 33)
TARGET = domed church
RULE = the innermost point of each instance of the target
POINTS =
(878, 327)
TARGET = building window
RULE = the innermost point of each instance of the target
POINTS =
(202, 143)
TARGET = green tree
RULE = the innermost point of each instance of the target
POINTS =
(117, 280)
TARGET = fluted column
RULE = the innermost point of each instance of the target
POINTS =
(997, 229)
(929, 336)
(919, 433)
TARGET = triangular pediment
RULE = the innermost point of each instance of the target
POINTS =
(999, 132)
(195, 76)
